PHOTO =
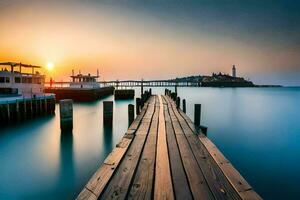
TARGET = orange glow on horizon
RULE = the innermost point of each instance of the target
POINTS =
(123, 44)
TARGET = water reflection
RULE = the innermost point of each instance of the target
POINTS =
(107, 139)
(67, 166)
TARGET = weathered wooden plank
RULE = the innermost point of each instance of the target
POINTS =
(216, 180)
(142, 186)
(180, 183)
(218, 183)
(86, 195)
(104, 173)
(234, 177)
(163, 188)
(119, 184)
(135, 124)
(151, 106)
(101, 177)
(198, 184)
(240, 185)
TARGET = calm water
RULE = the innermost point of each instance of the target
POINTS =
(258, 130)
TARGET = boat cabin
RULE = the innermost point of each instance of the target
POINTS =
(20, 79)
(84, 81)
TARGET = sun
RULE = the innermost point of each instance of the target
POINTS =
(50, 66)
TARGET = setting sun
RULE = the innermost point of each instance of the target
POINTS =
(50, 66)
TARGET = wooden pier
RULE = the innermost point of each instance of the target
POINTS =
(22, 108)
(163, 156)
(132, 83)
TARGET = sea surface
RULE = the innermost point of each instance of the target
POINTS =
(257, 129)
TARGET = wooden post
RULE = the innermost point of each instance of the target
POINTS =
(142, 100)
(174, 96)
(178, 102)
(176, 87)
(41, 106)
(18, 111)
(184, 106)
(138, 105)
(66, 115)
(8, 112)
(25, 109)
(203, 130)
(130, 114)
(108, 113)
(150, 91)
(31, 108)
(142, 88)
(45, 104)
(197, 114)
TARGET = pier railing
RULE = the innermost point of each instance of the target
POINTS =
(134, 83)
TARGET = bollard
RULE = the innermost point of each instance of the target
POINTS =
(184, 106)
(130, 114)
(142, 87)
(178, 102)
(142, 100)
(66, 114)
(137, 105)
(176, 87)
(150, 92)
(203, 130)
(108, 107)
(173, 95)
(197, 114)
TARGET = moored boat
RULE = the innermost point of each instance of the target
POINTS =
(22, 93)
(81, 88)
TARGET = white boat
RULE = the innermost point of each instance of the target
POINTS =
(84, 81)
(15, 80)
(81, 88)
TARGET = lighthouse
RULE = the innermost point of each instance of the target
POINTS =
(233, 71)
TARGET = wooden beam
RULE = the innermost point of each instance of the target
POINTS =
(163, 188)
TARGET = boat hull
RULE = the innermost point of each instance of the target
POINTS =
(80, 94)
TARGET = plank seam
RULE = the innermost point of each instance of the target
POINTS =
(101, 192)
(172, 108)
(222, 185)
(189, 185)
(213, 159)
(136, 168)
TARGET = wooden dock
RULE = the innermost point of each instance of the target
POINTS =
(163, 156)
(15, 109)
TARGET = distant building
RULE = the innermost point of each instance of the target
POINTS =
(233, 71)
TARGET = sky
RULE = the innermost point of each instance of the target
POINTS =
(155, 39)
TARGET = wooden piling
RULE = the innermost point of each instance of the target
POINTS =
(142, 88)
(184, 105)
(138, 105)
(197, 115)
(66, 115)
(178, 102)
(18, 114)
(203, 130)
(130, 114)
(8, 112)
(142, 100)
(108, 113)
